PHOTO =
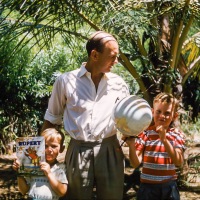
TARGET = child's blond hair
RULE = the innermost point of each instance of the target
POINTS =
(52, 133)
(168, 98)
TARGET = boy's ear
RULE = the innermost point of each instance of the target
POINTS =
(175, 115)
(62, 148)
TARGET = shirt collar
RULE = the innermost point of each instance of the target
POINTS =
(83, 71)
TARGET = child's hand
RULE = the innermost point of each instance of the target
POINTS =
(161, 130)
(129, 140)
(45, 167)
(16, 164)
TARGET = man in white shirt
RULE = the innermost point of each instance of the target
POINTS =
(84, 100)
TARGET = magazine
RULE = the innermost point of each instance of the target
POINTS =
(30, 151)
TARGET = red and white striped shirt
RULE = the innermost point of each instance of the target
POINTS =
(158, 167)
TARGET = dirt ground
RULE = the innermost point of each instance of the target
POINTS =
(9, 189)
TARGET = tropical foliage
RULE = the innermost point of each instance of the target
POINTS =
(159, 44)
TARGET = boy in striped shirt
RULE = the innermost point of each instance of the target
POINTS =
(160, 150)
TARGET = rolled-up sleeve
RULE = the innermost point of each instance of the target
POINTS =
(57, 102)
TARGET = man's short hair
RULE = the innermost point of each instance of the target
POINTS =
(97, 41)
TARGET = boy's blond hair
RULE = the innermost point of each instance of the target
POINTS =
(167, 98)
(52, 133)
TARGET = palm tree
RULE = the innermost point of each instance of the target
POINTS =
(159, 40)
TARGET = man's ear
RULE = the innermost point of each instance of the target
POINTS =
(62, 148)
(94, 54)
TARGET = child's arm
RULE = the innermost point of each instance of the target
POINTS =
(134, 155)
(176, 154)
(22, 184)
(59, 188)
